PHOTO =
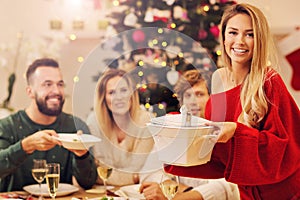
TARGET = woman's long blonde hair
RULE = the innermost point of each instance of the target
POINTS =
(104, 116)
(253, 99)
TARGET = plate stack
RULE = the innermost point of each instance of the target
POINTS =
(182, 139)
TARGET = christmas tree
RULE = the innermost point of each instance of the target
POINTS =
(182, 34)
(198, 19)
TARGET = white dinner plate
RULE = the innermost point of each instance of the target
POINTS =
(63, 189)
(132, 191)
(99, 189)
(75, 141)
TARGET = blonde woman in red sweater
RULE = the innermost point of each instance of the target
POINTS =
(256, 118)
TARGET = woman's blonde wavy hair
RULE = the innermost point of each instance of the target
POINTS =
(253, 99)
(103, 114)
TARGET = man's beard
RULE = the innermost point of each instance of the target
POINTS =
(43, 108)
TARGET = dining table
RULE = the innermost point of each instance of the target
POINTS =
(81, 194)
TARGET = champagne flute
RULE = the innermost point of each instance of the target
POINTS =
(169, 185)
(52, 178)
(104, 172)
(38, 172)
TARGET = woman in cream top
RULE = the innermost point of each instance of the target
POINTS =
(121, 124)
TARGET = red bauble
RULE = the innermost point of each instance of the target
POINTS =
(138, 36)
(142, 89)
(202, 34)
(215, 31)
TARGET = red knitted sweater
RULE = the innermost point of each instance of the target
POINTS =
(265, 163)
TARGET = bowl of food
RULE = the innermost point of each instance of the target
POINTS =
(76, 141)
(178, 144)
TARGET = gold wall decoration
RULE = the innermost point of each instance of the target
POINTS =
(55, 24)
(78, 24)
(102, 24)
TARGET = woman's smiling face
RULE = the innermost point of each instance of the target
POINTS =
(118, 95)
(239, 39)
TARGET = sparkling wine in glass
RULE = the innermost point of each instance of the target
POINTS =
(52, 178)
(38, 172)
(104, 173)
(169, 185)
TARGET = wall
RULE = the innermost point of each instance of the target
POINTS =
(283, 17)
(31, 17)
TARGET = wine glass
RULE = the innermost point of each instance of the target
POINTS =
(38, 172)
(104, 172)
(52, 178)
(169, 185)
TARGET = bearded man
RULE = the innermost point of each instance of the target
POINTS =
(32, 133)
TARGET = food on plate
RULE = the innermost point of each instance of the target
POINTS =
(107, 198)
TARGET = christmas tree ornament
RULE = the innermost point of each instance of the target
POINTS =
(131, 19)
(149, 15)
(142, 89)
(138, 36)
(169, 2)
(181, 13)
(172, 51)
(202, 34)
(185, 15)
(177, 12)
(215, 31)
(206, 61)
(161, 15)
(172, 76)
